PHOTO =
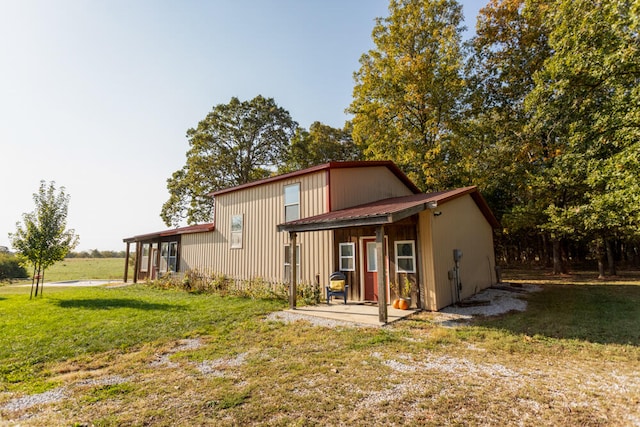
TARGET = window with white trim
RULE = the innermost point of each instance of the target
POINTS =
(405, 256)
(287, 263)
(173, 256)
(168, 257)
(144, 257)
(236, 231)
(347, 256)
(291, 202)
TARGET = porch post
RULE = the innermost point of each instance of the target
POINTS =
(293, 253)
(382, 274)
(136, 262)
(126, 263)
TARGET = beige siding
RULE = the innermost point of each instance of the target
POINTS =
(356, 186)
(427, 275)
(262, 253)
(460, 225)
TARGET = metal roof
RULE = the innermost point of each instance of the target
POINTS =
(386, 211)
(197, 228)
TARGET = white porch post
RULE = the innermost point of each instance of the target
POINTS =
(382, 275)
(294, 269)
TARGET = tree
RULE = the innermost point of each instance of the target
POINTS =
(320, 144)
(586, 104)
(407, 92)
(236, 143)
(44, 239)
(510, 46)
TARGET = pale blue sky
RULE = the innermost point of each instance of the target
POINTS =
(97, 95)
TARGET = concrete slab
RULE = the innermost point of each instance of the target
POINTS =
(364, 314)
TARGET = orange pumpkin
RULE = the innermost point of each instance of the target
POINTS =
(396, 303)
(403, 304)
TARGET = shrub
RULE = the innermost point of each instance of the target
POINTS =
(196, 281)
(10, 268)
(308, 294)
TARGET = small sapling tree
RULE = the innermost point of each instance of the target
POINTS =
(43, 238)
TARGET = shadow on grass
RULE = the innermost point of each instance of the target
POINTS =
(605, 314)
(111, 303)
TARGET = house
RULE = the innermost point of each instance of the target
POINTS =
(366, 219)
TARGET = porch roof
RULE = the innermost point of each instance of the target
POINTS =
(198, 228)
(386, 211)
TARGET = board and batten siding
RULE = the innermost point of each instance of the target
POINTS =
(262, 252)
(460, 225)
(357, 186)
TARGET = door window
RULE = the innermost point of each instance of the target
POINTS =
(372, 257)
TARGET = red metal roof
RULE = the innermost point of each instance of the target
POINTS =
(386, 211)
(327, 166)
(197, 228)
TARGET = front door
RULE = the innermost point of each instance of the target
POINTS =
(370, 269)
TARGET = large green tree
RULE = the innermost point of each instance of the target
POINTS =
(586, 107)
(510, 46)
(236, 143)
(407, 91)
(320, 144)
(43, 238)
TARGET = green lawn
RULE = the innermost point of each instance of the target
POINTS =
(80, 322)
(141, 356)
(84, 269)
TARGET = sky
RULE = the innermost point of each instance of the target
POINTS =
(97, 95)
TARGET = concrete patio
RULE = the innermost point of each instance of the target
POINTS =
(360, 313)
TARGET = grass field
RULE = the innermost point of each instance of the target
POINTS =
(140, 356)
(84, 269)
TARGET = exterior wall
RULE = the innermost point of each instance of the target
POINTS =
(357, 186)
(262, 252)
(425, 253)
(460, 225)
(403, 230)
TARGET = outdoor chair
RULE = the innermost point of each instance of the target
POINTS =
(337, 286)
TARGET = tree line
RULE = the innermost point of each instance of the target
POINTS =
(540, 110)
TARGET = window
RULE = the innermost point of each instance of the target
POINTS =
(173, 256)
(168, 256)
(287, 263)
(291, 202)
(405, 256)
(347, 257)
(164, 256)
(236, 232)
(144, 258)
(372, 257)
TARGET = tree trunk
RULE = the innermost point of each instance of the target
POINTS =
(546, 260)
(601, 257)
(610, 257)
(557, 260)
(33, 280)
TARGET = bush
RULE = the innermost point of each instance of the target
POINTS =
(10, 268)
(196, 281)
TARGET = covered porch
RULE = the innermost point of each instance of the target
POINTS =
(353, 312)
(158, 253)
(370, 229)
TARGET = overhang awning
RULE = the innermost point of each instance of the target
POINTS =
(386, 211)
(198, 228)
